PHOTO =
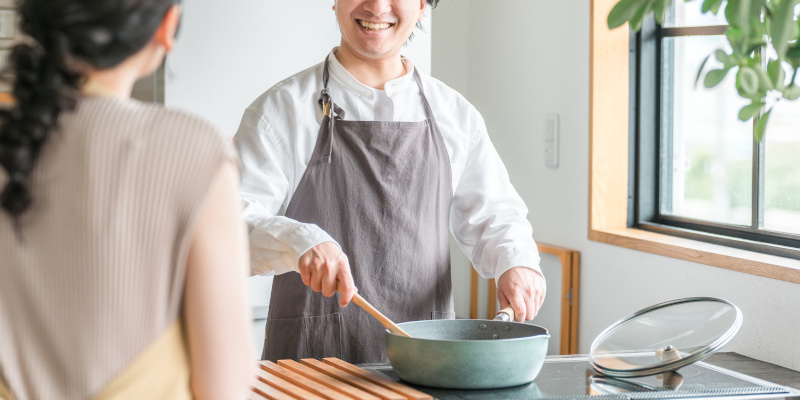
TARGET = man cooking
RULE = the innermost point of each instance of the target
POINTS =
(355, 171)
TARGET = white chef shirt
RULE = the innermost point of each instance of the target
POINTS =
(278, 133)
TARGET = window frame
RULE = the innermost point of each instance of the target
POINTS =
(648, 140)
(609, 165)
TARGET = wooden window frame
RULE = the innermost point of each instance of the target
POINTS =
(609, 160)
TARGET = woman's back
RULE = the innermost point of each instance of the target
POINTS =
(97, 272)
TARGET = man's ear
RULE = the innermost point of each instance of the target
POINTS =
(165, 34)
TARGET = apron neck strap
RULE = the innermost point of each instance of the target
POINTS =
(329, 108)
(325, 75)
(428, 111)
(325, 94)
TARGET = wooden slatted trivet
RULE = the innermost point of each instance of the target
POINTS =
(330, 379)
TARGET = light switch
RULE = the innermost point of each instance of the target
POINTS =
(8, 24)
(4, 54)
(551, 141)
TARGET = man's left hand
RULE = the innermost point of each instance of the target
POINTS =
(524, 289)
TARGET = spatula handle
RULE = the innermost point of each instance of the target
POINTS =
(391, 326)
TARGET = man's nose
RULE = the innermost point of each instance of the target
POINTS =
(378, 7)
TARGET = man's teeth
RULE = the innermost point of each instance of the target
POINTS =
(374, 27)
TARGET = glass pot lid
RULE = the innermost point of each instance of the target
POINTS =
(665, 337)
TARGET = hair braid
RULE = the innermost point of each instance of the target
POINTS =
(69, 36)
(44, 87)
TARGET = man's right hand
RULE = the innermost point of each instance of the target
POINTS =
(325, 269)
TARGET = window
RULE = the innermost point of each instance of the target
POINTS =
(699, 173)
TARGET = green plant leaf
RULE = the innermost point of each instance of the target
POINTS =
(714, 77)
(700, 71)
(660, 10)
(764, 81)
(750, 110)
(712, 5)
(740, 12)
(782, 27)
(636, 21)
(791, 92)
(726, 59)
(761, 125)
(793, 55)
(776, 73)
(737, 40)
(731, 12)
(747, 81)
(623, 12)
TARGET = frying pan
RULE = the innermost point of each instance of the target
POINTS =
(468, 354)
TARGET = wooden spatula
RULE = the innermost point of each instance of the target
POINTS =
(386, 322)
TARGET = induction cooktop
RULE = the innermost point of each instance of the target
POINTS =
(572, 377)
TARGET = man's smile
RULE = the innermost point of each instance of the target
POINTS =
(371, 26)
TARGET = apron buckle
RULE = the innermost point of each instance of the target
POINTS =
(326, 109)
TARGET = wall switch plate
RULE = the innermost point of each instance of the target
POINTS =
(8, 24)
(551, 141)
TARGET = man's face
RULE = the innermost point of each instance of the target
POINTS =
(377, 29)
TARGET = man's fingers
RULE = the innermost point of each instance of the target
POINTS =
(502, 299)
(520, 308)
(531, 307)
(305, 274)
(316, 281)
(347, 289)
(328, 283)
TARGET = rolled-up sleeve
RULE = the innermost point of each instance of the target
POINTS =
(276, 241)
(488, 217)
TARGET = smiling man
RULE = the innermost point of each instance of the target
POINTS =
(355, 171)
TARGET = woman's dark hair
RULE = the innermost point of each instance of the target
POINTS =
(68, 37)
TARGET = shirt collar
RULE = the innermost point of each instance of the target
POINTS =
(344, 77)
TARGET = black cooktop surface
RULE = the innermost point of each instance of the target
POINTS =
(573, 377)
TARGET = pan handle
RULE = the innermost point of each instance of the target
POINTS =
(506, 315)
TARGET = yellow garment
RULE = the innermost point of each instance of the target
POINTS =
(160, 372)
(4, 393)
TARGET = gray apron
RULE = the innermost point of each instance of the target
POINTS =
(382, 190)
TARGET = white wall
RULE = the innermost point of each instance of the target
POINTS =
(229, 52)
(516, 61)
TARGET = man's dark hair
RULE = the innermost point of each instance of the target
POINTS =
(433, 4)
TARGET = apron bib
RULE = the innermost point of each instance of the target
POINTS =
(382, 190)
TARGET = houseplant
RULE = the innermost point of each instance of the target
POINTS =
(765, 55)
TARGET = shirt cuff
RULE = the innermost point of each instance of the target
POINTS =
(305, 237)
(513, 257)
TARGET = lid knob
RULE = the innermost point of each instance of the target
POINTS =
(668, 353)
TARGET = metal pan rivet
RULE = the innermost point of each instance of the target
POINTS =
(482, 326)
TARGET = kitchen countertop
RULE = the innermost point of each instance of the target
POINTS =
(568, 377)
(759, 369)
(730, 375)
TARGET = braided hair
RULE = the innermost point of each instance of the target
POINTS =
(69, 37)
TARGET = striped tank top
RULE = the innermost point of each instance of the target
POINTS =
(99, 273)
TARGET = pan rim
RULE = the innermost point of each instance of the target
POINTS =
(506, 340)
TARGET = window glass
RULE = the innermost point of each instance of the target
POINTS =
(706, 165)
(782, 169)
(683, 14)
